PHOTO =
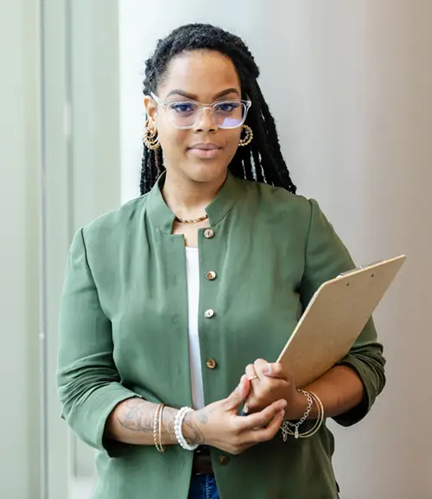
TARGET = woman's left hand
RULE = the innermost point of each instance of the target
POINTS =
(268, 384)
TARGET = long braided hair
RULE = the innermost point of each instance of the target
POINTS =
(262, 159)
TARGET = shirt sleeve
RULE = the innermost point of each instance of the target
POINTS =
(326, 257)
(88, 382)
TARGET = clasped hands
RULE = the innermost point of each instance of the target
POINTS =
(270, 397)
(269, 383)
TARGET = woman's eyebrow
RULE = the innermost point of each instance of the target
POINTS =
(227, 91)
(195, 97)
(182, 93)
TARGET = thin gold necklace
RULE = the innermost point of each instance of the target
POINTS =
(195, 221)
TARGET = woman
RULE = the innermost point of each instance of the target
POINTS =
(184, 297)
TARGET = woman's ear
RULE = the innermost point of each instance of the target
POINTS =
(151, 108)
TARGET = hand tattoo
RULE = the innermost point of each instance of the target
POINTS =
(202, 418)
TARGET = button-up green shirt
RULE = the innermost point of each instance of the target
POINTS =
(124, 332)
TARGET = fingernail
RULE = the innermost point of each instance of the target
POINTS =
(267, 369)
(283, 413)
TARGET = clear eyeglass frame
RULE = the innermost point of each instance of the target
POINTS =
(246, 103)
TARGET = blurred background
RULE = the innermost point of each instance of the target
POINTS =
(350, 84)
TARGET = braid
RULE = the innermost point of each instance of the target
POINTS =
(159, 161)
(145, 167)
(262, 159)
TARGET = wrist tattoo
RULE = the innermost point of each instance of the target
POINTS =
(195, 435)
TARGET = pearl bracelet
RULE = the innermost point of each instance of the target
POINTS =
(178, 425)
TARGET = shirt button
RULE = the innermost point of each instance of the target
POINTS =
(211, 276)
(223, 460)
(209, 313)
(209, 233)
(211, 364)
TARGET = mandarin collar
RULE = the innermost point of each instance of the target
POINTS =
(163, 217)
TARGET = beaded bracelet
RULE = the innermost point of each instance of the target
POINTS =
(178, 424)
(286, 427)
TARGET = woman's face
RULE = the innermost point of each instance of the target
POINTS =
(205, 77)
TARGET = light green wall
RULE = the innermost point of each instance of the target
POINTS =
(19, 191)
(55, 60)
(82, 176)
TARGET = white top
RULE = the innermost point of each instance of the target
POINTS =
(192, 266)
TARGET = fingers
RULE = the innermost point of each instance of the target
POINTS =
(262, 418)
(240, 394)
(252, 374)
(266, 387)
(242, 432)
(267, 433)
(263, 426)
(264, 368)
(253, 378)
(260, 366)
(276, 370)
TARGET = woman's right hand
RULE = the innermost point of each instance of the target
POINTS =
(220, 426)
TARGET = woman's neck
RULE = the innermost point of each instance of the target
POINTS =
(188, 199)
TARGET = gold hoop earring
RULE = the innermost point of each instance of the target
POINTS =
(151, 137)
(248, 138)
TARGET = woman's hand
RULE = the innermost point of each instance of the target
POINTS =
(219, 424)
(270, 383)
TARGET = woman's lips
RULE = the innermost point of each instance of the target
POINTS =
(205, 151)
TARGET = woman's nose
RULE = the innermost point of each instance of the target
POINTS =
(205, 123)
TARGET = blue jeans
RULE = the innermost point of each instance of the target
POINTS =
(203, 487)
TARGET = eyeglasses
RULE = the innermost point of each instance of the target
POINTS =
(188, 113)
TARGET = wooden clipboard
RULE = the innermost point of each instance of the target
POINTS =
(334, 318)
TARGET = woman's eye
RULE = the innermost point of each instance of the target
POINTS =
(184, 107)
(227, 107)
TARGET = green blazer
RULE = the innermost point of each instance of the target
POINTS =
(124, 333)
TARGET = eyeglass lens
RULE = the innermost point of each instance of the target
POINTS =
(229, 114)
